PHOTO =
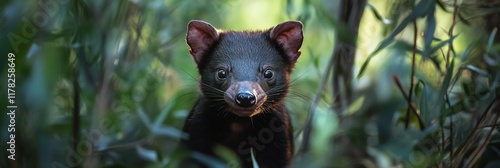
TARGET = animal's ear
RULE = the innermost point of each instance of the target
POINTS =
(289, 36)
(200, 37)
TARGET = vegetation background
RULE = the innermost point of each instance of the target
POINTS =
(103, 83)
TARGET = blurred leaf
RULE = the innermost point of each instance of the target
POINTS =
(462, 19)
(146, 153)
(381, 158)
(208, 160)
(442, 5)
(163, 114)
(490, 61)
(442, 44)
(377, 14)
(228, 156)
(169, 131)
(491, 39)
(429, 32)
(424, 113)
(355, 106)
(143, 117)
(423, 8)
(477, 70)
(444, 88)
(467, 51)
(254, 162)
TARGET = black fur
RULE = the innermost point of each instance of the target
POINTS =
(244, 56)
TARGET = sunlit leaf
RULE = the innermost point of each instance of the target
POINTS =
(423, 8)
(377, 14)
(355, 106)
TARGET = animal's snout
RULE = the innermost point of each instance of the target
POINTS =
(245, 99)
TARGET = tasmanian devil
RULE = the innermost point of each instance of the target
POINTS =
(245, 76)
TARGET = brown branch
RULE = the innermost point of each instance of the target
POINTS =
(350, 13)
(493, 107)
(405, 95)
(415, 36)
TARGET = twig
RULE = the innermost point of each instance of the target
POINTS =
(450, 32)
(76, 113)
(405, 95)
(415, 36)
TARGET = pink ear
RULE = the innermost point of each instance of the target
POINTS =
(200, 37)
(289, 36)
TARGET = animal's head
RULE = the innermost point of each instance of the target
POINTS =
(247, 72)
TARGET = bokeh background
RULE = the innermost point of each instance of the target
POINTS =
(103, 83)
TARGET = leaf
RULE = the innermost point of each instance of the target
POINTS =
(163, 114)
(442, 5)
(405, 46)
(144, 118)
(363, 67)
(254, 162)
(227, 155)
(429, 32)
(355, 106)
(467, 51)
(477, 70)
(423, 103)
(491, 39)
(377, 14)
(422, 6)
(208, 160)
(168, 131)
(444, 88)
(461, 17)
(442, 44)
(146, 153)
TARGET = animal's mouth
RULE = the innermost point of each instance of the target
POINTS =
(245, 111)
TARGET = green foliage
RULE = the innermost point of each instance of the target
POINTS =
(120, 74)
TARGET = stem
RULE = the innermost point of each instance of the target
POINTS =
(450, 32)
(76, 114)
(415, 35)
(405, 95)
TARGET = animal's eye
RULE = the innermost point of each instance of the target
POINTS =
(221, 74)
(268, 74)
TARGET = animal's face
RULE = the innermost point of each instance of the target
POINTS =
(245, 73)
